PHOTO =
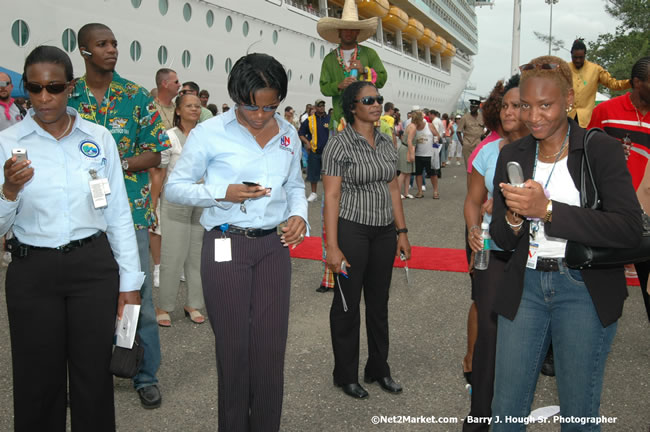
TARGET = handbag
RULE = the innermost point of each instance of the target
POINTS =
(580, 256)
(126, 363)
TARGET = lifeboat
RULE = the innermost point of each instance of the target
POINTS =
(428, 38)
(396, 19)
(414, 29)
(373, 8)
(337, 2)
(439, 45)
(450, 51)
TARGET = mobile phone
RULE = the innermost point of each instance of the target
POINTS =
(247, 183)
(279, 228)
(20, 154)
(515, 174)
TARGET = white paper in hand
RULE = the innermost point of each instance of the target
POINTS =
(127, 326)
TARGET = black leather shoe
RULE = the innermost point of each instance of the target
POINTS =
(386, 383)
(150, 397)
(354, 390)
(322, 289)
(548, 367)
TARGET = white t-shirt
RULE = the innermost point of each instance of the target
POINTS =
(437, 123)
(562, 189)
(347, 56)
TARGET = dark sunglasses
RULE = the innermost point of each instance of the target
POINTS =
(54, 88)
(268, 108)
(543, 66)
(370, 100)
(5, 83)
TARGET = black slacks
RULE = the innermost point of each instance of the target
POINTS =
(370, 251)
(247, 300)
(486, 283)
(642, 271)
(61, 309)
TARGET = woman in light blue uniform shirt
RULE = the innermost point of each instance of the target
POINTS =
(75, 263)
(249, 158)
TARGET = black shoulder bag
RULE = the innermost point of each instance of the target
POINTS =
(580, 256)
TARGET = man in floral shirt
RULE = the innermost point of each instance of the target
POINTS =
(128, 112)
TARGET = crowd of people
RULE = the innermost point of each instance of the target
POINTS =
(104, 176)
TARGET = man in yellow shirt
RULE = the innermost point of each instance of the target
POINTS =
(586, 77)
(387, 122)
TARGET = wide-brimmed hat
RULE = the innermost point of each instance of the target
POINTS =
(328, 28)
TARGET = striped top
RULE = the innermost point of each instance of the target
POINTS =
(365, 173)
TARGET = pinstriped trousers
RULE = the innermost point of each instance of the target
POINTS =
(247, 301)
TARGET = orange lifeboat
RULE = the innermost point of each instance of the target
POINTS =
(373, 8)
(450, 51)
(414, 29)
(396, 19)
(439, 46)
(428, 38)
(337, 2)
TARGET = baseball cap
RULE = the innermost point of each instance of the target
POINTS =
(319, 101)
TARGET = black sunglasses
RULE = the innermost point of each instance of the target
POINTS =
(54, 88)
(543, 66)
(370, 100)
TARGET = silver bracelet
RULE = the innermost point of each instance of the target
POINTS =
(514, 226)
(3, 197)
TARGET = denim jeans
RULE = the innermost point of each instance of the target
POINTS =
(557, 306)
(147, 325)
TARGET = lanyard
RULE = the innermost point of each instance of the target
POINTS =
(108, 98)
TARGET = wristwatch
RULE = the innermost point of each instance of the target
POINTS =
(402, 231)
(125, 164)
(549, 211)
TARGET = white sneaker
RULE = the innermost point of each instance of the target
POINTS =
(457, 163)
(312, 197)
(409, 196)
(183, 276)
(424, 188)
(156, 276)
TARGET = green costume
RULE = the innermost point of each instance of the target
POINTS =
(331, 74)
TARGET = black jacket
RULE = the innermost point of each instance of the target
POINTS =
(618, 224)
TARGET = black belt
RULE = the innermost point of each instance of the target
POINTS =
(248, 232)
(20, 249)
(548, 264)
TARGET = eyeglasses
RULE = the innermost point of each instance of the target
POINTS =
(54, 88)
(543, 66)
(370, 100)
(5, 83)
(268, 108)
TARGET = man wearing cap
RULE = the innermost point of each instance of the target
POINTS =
(11, 113)
(470, 129)
(314, 133)
(454, 145)
(350, 61)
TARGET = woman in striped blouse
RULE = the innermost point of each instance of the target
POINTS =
(366, 230)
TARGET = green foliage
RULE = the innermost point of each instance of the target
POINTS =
(618, 51)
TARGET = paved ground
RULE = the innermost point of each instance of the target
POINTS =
(427, 320)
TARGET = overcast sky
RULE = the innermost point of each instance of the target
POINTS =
(571, 18)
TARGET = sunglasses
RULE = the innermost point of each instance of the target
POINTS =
(370, 100)
(268, 108)
(5, 83)
(54, 88)
(543, 66)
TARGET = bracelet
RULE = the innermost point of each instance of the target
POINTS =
(514, 226)
(3, 197)
(472, 228)
(401, 231)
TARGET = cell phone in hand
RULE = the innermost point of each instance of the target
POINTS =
(248, 183)
(515, 174)
(20, 154)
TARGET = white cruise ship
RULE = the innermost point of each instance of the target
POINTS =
(425, 45)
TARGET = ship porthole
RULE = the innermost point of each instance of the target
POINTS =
(312, 49)
(162, 55)
(245, 28)
(69, 40)
(163, 7)
(322, 52)
(228, 24)
(289, 74)
(228, 65)
(20, 32)
(311, 79)
(136, 3)
(209, 18)
(186, 59)
(275, 37)
(209, 62)
(135, 51)
(187, 12)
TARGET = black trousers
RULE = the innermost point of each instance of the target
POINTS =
(61, 309)
(486, 284)
(370, 251)
(247, 300)
(642, 271)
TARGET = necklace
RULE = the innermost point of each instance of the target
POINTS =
(66, 128)
(339, 57)
(554, 154)
(94, 112)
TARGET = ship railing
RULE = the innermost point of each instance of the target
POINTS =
(310, 7)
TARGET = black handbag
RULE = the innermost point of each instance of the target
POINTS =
(125, 363)
(580, 256)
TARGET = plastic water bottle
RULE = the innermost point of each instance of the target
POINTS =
(482, 257)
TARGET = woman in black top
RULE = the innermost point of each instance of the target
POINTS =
(366, 230)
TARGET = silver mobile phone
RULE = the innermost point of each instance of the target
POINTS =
(515, 174)
(21, 154)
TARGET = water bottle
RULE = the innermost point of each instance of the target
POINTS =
(482, 257)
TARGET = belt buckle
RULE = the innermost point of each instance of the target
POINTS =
(249, 230)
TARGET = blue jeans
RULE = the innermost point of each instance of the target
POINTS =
(557, 306)
(147, 325)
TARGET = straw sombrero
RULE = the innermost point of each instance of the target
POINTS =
(328, 28)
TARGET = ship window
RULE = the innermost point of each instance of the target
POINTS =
(275, 37)
(422, 54)
(311, 78)
(20, 32)
(163, 7)
(407, 46)
(186, 59)
(389, 39)
(187, 12)
(228, 65)
(322, 52)
(162, 55)
(289, 74)
(209, 62)
(228, 24)
(245, 27)
(312, 49)
(69, 40)
(135, 51)
(209, 18)
(136, 3)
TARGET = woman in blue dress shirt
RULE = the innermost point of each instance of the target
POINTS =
(249, 158)
(75, 262)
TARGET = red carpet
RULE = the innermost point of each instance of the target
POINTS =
(425, 258)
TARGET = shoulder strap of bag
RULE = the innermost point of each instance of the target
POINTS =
(585, 170)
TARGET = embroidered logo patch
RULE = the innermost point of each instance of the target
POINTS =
(285, 144)
(89, 148)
